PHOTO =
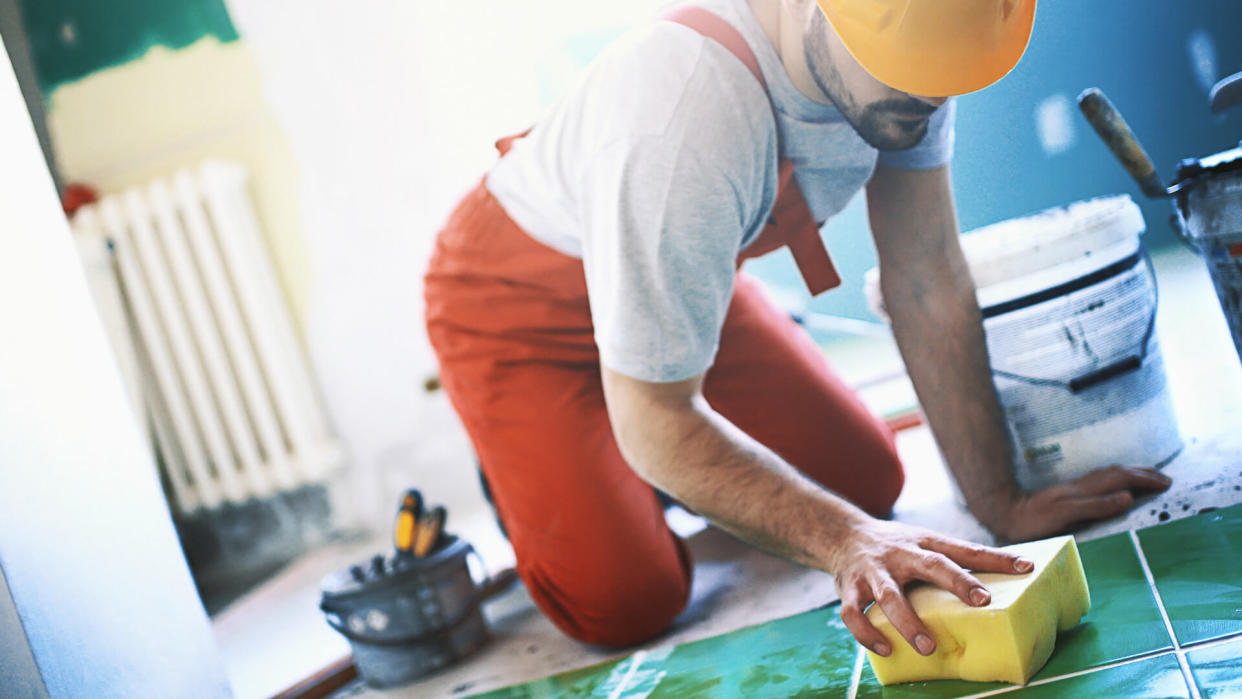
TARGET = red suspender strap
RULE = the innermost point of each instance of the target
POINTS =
(790, 209)
(710, 25)
(805, 243)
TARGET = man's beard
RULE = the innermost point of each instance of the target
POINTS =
(876, 123)
(878, 127)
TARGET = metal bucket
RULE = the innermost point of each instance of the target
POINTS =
(1210, 218)
(1207, 194)
(407, 618)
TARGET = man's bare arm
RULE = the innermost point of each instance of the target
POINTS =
(930, 296)
(675, 441)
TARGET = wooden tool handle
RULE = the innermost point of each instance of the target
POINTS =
(1120, 140)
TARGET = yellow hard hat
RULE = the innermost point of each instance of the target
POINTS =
(934, 48)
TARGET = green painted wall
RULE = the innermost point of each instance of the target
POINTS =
(71, 39)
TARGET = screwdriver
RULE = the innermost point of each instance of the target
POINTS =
(407, 523)
(429, 530)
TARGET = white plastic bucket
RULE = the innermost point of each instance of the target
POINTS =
(1069, 314)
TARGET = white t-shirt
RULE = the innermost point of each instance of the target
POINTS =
(659, 166)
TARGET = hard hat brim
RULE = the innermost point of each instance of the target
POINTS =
(941, 61)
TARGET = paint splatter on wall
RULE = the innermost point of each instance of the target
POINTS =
(71, 39)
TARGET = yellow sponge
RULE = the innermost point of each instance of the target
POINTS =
(1010, 639)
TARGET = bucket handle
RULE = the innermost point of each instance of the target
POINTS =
(1177, 220)
(490, 587)
(1126, 365)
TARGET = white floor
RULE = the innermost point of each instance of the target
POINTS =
(277, 636)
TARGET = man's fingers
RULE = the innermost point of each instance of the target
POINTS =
(937, 569)
(1148, 479)
(1104, 481)
(897, 608)
(1091, 508)
(852, 604)
(978, 557)
(1067, 512)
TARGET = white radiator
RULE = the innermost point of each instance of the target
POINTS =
(204, 337)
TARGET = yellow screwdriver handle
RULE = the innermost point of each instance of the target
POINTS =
(407, 522)
(428, 533)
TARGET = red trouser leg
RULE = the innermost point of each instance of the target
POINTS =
(510, 323)
(771, 380)
(590, 538)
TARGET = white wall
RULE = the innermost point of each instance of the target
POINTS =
(392, 107)
(103, 598)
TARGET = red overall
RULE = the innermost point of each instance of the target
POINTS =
(510, 321)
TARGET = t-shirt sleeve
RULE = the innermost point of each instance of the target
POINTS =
(934, 150)
(665, 225)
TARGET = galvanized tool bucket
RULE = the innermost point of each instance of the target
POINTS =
(407, 618)
(1209, 218)
(1207, 193)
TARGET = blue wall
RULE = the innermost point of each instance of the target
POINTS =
(1139, 52)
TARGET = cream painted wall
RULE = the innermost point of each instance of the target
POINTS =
(127, 124)
(392, 107)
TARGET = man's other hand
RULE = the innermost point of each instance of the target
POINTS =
(1100, 494)
(880, 557)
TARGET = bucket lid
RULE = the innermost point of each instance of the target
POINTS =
(1024, 246)
(1017, 256)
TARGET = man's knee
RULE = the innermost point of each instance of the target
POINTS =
(884, 479)
(625, 608)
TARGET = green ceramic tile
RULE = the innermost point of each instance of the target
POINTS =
(870, 688)
(1156, 678)
(806, 655)
(1124, 620)
(1218, 670)
(1197, 565)
(594, 681)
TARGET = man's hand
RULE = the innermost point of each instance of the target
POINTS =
(938, 326)
(880, 557)
(1100, 494)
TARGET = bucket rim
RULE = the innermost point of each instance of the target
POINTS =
(1207, 187)
(338, 586)
(1039, 243)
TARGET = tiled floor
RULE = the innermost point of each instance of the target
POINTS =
(1197, 566)
(277, 635)
(1125, 646)
(1215, 670)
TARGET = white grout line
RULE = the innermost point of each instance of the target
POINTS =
(856, 676)
(1151, 581)
(1164, 614)
(1058, 678)
(635, 661)
(1189, 677)
(1231, 638)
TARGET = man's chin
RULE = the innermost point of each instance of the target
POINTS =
(895, 136)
